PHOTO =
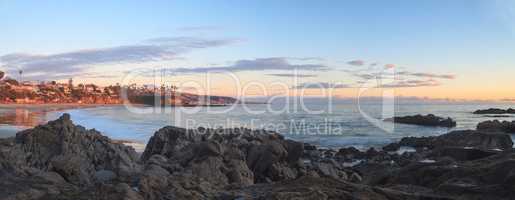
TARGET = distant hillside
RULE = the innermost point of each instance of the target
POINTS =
(184, 99)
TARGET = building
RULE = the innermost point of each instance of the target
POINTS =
(70, 84)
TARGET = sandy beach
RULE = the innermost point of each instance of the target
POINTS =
(56, 105)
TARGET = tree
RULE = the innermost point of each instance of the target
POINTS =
(78, 94)
(21, 75)
(12, 82)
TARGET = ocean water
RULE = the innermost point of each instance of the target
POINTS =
(330, 125)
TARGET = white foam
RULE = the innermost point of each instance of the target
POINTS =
(427, 161)
(405, 149)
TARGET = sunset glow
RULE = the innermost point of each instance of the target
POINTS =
(462, 52)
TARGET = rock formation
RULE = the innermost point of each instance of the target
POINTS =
(495, 111)
(424, 120)
(222, 159)
(497, 126)
(60, 160)
(466, 138)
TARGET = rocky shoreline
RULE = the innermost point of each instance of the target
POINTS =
(61, 160)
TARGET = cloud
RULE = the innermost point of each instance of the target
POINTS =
(199, 28)
(259, 64)
(399, 75)
(367, 76)
(401, 79)
(411, 83)
(306, 58)
(188, 43)
(429, 75)
(356, 62)
(322, 85)
(359, 84)
(371, 75)
(389, 66)
(294, 75)
(79, 61)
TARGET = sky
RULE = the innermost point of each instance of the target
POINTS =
(460, 49)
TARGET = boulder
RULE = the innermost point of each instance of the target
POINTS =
(103, 176)
(392, 147)
(350, 153)
(424, 120)
(36, 186)
(71, 151)
(119, 191)
(463, 154)
(218, 158)
(497, 126)
(313, 188)
(490, 177)
(466, 138)
(309, 147)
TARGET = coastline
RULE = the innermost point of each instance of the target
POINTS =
(56, 105)
(80, 105)
(129, 126)
(262, 164)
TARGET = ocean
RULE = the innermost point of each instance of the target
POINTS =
(326, 124)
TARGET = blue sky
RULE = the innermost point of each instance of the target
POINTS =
(459, 37)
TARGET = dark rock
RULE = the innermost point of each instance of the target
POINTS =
(71, 151)
(497, 126)
(63, 161)
(495, 111)
(120, 191)
(372, 152)
(309, 147)
(295, 151)
(329, 153)
(60, 160)
(427, 120)
(487, 178)
(330, 168)
(350, 153)
(467, 138)
(35, 186)
(498, 116)
(218, 158)
(463, 154)
(311, 188)
(392, 147)
(104, 176)
(355, 178)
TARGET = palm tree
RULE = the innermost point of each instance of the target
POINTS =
(21, 77)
